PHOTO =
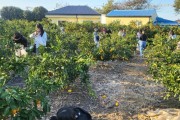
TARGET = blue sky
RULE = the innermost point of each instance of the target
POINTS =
(166, 10)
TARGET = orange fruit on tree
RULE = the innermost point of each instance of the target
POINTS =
(14, 111)
(38, 103)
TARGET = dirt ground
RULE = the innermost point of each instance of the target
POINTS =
(124, 91)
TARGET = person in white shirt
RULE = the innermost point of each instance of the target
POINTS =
(122, 33)
(96, 37)
(172, 35)
(139, 34)
(40, 37)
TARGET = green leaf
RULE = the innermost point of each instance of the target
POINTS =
(6, 111)
(4, 94)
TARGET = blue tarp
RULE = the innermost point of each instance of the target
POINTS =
(162, 21)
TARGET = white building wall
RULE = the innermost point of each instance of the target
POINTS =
(103, 18)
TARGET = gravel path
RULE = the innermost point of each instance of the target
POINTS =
(123, 91)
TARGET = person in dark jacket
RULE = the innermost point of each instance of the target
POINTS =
(71, 113)
(109, 32)
(20, 39)
(21, 43)
(142, 42)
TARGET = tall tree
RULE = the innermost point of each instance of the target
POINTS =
(177, 6)
(28, 15)
(127, 5)
(39, 13)
(133, 4)
(108, 7)
(10, 13)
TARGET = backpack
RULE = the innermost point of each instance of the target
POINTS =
(71, 113)
(82, 114)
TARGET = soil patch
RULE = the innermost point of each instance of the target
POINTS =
(123, 91)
